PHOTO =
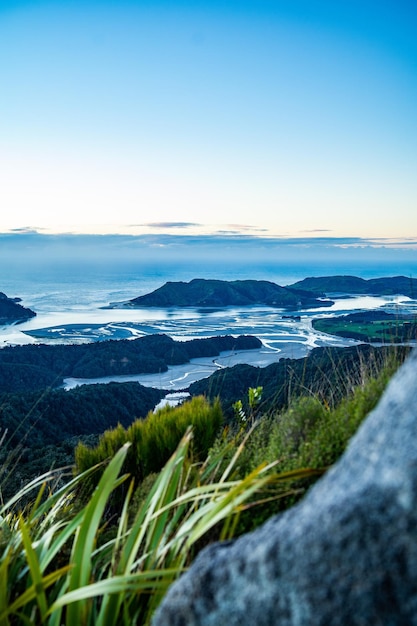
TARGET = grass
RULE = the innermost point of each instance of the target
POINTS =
(155, 438)
(56, 568)
(384, 331)
(69, 559)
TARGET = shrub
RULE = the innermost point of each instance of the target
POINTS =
(156, 437)
(53, 570)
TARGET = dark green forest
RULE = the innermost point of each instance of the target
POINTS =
(33, 367)
(328, 373)
(39, 430)
(201, 292)
(384, 286)
(41, 424)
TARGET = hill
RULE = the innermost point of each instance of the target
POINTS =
(325, 372)
(386, 286)
(11, 311)
(40, 429)
(200, 292)
(37, 366)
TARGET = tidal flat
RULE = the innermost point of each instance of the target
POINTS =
(284, 334)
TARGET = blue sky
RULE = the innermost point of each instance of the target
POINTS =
(275, 119)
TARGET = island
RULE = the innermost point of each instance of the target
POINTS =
(353, 285)
(204, 293)
(11, 312)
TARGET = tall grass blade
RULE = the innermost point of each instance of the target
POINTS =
(84, 543)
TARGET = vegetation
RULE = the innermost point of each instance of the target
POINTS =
(373, 326)
(328, 373)
(103, 546)
(155, 439)
(39, 430)
(308, 433)
(201, 292)
(34, 367)
(385, 286)
(12, 312)
(57, 567)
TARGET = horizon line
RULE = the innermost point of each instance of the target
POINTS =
(169, 237)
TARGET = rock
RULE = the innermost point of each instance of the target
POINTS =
(345, 555)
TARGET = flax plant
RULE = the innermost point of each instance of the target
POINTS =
(55, 571)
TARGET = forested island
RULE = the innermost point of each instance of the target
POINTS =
(385, 286)
(11, 312)
(201, 292)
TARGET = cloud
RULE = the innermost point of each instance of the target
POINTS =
(236, 240)
(169, 225)
(26, 230)
(250, 227)
(239, 229)
(317, 230)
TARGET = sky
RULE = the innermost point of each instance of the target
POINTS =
(271, 119)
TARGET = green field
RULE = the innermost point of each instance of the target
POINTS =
(386, 330)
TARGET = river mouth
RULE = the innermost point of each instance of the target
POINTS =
(180, 377)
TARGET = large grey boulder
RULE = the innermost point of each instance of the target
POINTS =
(345, 555)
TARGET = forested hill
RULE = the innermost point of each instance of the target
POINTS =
(201, 292)
(387, 286)
(40, 429)
(327, 373)
(33, 367)
(11, 311)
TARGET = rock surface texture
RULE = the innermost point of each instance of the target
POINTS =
(346, 554)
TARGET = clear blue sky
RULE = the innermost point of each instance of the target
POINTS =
(269, 118)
